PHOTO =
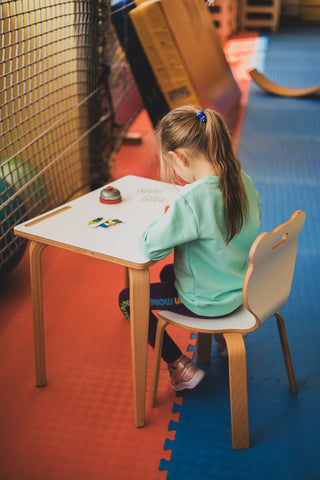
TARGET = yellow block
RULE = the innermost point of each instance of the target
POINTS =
(163, 55)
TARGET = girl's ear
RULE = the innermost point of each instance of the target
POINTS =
(179, 157)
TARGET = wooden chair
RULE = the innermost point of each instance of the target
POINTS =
(266, 288)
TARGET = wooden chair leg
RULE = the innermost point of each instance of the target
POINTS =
(126, 277)
(156, 361)
(286, 353)
(238, 390)
(204, 347)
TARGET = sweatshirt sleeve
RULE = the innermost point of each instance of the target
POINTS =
(177, 226)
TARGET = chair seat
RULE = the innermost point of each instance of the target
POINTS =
(241, 320)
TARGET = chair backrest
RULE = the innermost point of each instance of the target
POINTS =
(272, 256)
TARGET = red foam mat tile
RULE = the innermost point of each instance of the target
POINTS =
(80, 425)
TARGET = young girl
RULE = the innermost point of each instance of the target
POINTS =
(211, 225)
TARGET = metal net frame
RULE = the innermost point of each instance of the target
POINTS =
(64, 82)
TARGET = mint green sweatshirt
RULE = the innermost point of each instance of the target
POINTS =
(209, 274)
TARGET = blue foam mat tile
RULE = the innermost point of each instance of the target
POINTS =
(191, 348)
(304, 76)
(172, 426)
(293, 58)
(283, 434)
(283, 427)
(279, 201)
(176, 407)
(301, 314)
(297, 118)
(280, 163)
(164, 464)
(168, 444)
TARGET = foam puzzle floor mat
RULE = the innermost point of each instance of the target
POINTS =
(80, 425)
(279, 149)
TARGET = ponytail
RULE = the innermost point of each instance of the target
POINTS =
(219, 150)
(206, 132)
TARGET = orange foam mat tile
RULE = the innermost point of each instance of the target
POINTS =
(81, 424)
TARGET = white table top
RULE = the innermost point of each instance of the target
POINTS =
(143, 200)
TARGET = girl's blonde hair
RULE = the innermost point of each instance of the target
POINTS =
(183, 129)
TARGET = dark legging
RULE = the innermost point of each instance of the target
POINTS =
(163, 296)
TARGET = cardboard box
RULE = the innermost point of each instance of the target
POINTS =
(163, 55)
(198, 44)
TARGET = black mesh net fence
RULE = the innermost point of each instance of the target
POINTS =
(67, 98)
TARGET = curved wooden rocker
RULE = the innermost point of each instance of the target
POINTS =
(263, 82)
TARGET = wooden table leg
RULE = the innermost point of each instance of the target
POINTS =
(37, 309)
(139, 324)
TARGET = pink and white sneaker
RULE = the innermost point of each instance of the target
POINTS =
(184, 374)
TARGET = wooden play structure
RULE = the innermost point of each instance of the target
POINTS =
(256, 14)
(263, 82)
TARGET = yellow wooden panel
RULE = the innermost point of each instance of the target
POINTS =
(163, 55)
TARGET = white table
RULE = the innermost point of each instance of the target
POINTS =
(66, 227)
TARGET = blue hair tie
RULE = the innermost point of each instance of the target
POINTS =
(202, 116)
